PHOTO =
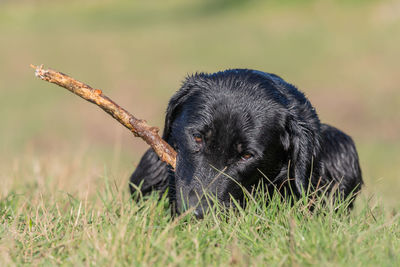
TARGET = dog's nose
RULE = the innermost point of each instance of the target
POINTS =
(199, 203)
(194, 198)
(199, 213)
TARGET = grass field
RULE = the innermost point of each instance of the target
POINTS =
(65, 164)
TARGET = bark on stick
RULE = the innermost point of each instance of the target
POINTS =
(138, 127)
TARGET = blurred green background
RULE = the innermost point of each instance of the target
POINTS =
(345, 55)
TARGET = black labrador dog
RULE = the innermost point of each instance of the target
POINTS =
(232, 129)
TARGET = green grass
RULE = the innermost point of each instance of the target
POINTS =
(55, 149)
(58, 228)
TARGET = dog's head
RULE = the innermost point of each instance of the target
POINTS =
(230, 129)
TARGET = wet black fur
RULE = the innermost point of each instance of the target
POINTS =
(244, 112)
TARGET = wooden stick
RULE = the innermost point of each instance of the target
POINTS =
(138, 127)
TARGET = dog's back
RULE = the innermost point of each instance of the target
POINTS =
(340, 161)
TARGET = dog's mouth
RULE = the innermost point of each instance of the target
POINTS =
(195, 195)
(202, 204)
(197, 203)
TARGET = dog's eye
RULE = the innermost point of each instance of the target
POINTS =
(246, 156)
(198, 138)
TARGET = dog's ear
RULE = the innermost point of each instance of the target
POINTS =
(175, 104)
(301, 141)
